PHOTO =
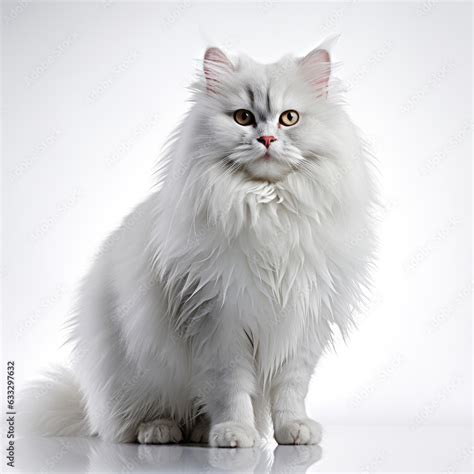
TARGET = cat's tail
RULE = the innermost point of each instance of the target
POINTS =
(53, 406)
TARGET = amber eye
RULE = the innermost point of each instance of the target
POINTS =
(289, 118)
(244, 117)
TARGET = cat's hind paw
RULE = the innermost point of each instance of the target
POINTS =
(159, 431)
(232, 435)
(305, 431)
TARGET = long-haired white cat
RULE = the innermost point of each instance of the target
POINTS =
(205, 313)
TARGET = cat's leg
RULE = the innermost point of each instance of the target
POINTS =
(289, 389)
(229, 384)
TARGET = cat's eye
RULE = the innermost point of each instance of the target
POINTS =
(244, 117)
(289, 118)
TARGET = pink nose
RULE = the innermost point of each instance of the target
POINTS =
(266, 140)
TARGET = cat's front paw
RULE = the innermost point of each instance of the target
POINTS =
(304, 431)
(160, 431)
(231, 434)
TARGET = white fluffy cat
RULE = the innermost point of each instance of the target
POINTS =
(205, 313)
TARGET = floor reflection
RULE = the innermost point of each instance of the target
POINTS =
(354, 449)
(93, 455)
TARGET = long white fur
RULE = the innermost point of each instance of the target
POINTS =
(213, 302)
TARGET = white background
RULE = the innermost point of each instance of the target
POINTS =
(90, 93)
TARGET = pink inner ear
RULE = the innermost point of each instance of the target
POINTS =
(317, 68)
(216, 63)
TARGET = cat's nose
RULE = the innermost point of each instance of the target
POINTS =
(267, 140)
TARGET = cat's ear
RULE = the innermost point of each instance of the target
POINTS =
(316, 67)
(216, 66)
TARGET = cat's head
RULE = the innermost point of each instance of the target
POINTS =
(266, 120)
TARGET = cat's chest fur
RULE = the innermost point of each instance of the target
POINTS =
(271, 271)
